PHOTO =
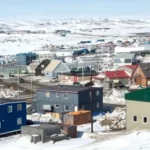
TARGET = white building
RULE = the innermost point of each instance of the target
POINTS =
(122, 59)
(128, 49)
(44, 54)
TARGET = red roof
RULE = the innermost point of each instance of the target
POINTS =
(117, 74)
(133, 67)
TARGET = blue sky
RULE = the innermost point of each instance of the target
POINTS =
(73, 8)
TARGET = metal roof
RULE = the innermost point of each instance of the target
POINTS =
(141, 95)
(7, 100)
(145, 68)
(65, 88)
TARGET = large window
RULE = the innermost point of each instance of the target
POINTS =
(134, 118)
(9, 109)
(19, 107)
(19, 121)
(66, 96)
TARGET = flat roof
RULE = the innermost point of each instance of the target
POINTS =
(7, 100)
(65, 88)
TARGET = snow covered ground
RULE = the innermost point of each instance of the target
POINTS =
(135, 140)
(81, 28)
(116, 97)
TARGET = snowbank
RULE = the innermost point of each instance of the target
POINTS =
(36, 117)
(116, 97)
(114, 120)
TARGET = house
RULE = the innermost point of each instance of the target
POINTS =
(62, 98)
(141, 75)
(32, 67)
(44, 54)
(12, 115)
(54, 68)
(39, 71)
(129, 69)
(122, 59)
(112, 77)
(138, 104)
(14, 70)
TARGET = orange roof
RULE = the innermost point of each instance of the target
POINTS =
(79, 112)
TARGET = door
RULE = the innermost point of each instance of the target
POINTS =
(75, 79)
(138, 81)
(75, 108)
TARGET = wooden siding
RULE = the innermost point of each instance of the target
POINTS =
(140, 78)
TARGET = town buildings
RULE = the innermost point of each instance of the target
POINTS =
(12, 115)
(62, 98)
(138, 104)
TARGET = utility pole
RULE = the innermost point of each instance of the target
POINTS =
(31, 82)
(18, 69)
(83, 73)
(91, 95)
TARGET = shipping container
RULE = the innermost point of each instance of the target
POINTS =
(77, 118)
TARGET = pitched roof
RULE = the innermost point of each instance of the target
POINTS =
(141, 95)
(34, 65)
(133, 67)
(52, 65)
(117, 74)
(146, 69)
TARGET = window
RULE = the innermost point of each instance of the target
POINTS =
(42, 66)
(66, 95)
(144, 119)
(127, 61)
(135, 118)
(98, 105)
(19, 121)
(97, 93)
(66, 108)
(47, 94)
(19, 107)
(9, 109)
(57, 106)
(57, 94)
(83, 107)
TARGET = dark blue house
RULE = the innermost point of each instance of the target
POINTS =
(62, 98)
(12, 115)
